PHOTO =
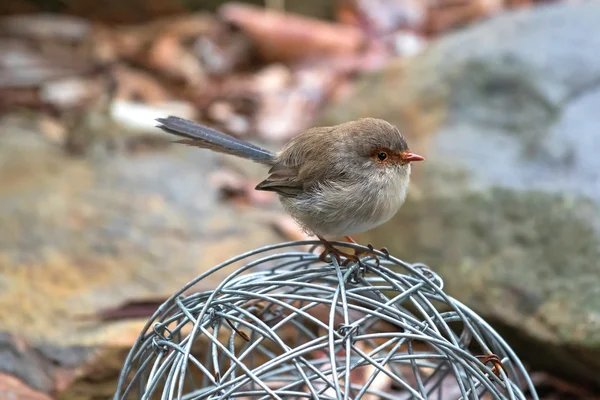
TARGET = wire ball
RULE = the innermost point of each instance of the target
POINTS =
(287, 325)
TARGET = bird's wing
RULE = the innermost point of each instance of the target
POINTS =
(302, 163)
(283, 180)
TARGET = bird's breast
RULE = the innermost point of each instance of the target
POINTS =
(343, 208)
(388, 198)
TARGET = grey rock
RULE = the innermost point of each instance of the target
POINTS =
(507, 206)
(84, 234)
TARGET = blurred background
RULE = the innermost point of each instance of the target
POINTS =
(101, 217)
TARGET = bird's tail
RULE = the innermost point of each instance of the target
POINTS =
(202, 136)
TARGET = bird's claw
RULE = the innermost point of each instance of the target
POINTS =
(371, 251)
(329, 252)
(338, 254)
(349, 258)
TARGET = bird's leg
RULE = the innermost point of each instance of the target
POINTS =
(358, 253)
(330, 250)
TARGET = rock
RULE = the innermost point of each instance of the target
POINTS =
(80, 235)
(507, 206)
(12, 388)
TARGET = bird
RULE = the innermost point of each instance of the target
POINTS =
(334, 180)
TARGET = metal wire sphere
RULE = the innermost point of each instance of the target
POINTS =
(287, 325)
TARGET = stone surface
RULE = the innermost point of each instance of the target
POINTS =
(11, 389)
(507, 206)
(82, 234)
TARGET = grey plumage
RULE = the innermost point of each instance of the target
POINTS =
(208, 138)
(341, 191)
(328, 178)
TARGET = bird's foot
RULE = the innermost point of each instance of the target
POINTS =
(330, 250)
(359, 253)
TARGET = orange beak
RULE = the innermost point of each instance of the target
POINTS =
(409, 157)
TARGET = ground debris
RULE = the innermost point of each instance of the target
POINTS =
(250, 71)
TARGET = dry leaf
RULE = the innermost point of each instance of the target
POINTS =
(286, 37)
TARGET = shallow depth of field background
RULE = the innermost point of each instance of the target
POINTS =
(101, 217)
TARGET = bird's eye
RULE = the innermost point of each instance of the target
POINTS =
(382, 155)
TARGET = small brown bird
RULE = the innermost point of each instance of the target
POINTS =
(334, 180)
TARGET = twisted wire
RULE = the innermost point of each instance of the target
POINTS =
(286, 325)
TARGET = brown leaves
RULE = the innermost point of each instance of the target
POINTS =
(452, 14)
(249, 71)
(285, 37)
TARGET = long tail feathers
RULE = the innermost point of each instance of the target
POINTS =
(202, 136)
